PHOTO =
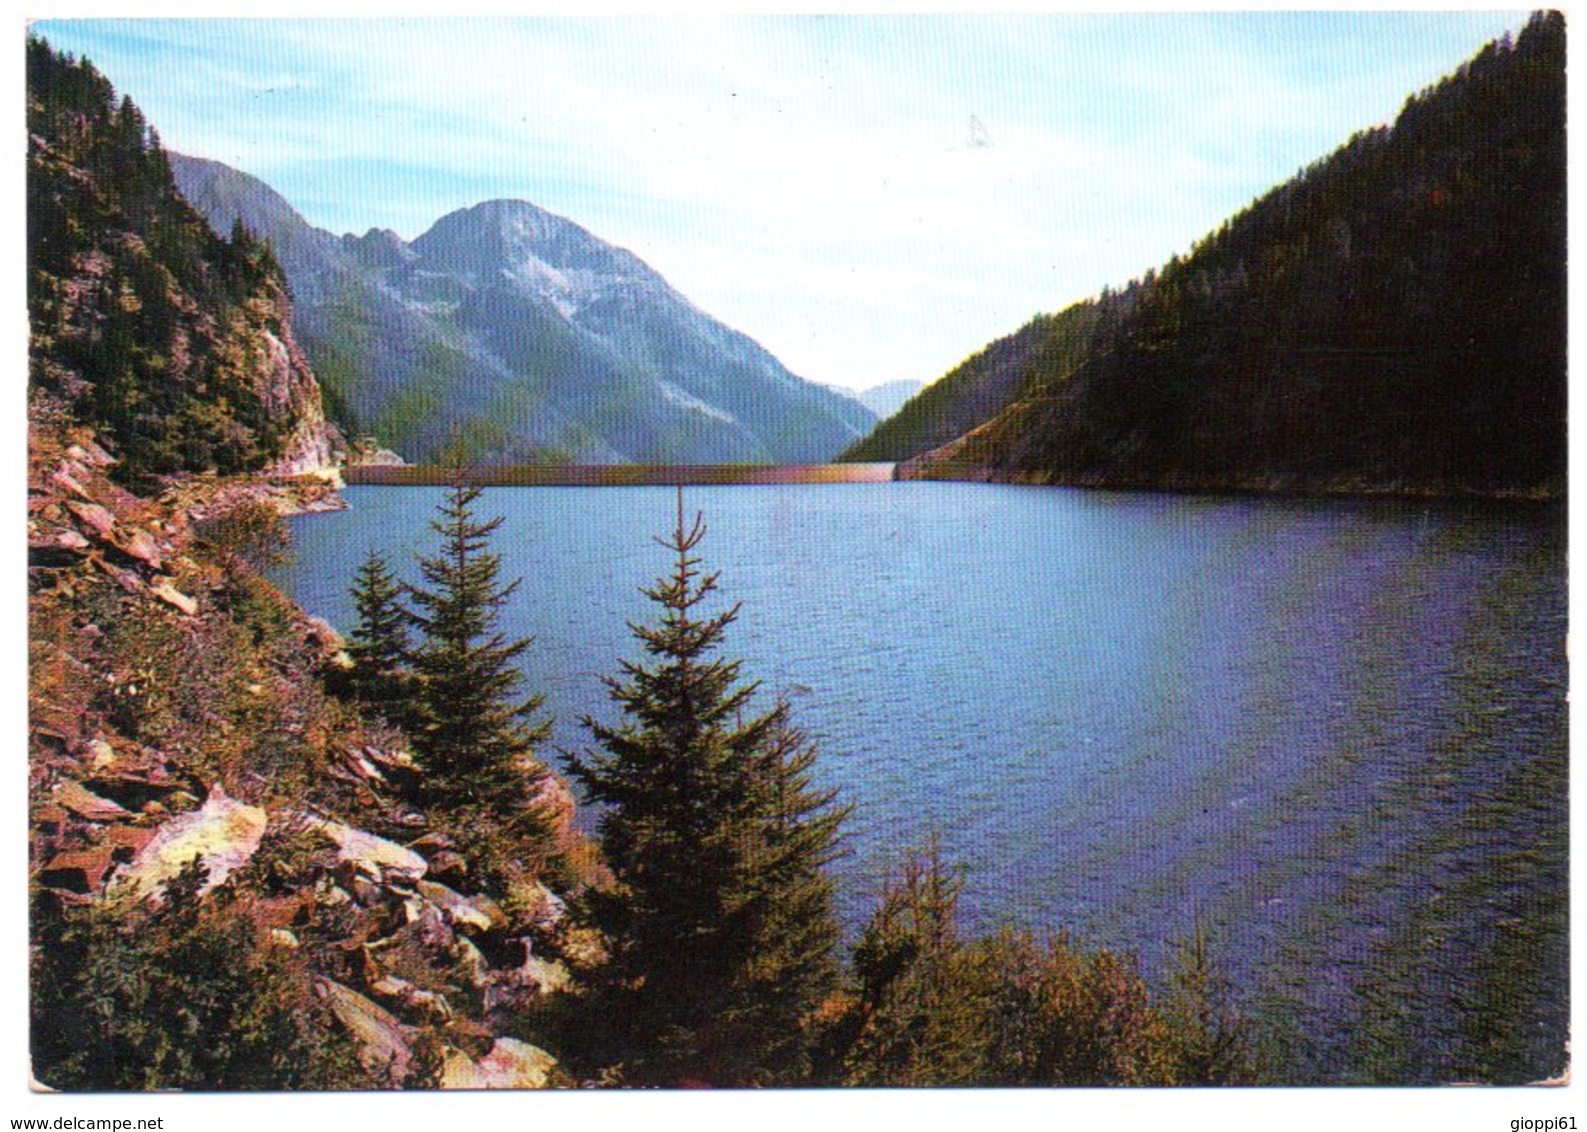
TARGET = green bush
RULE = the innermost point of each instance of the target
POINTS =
(251, 530)
(183, 997)
(932, 1008)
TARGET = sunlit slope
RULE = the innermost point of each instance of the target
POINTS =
(982, 385)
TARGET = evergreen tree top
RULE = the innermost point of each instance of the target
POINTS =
(722, 931)
(476, 730)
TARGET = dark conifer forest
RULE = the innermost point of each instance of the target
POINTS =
(1390, 320)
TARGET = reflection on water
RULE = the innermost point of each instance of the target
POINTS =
(1331, 733)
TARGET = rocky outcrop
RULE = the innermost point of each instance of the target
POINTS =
(290, 390)
(461, 912)
(373, 856)
(224, 834)
(79, 518)
(383, 1043)
(510, 1064)
(77, 515)
(86, 804)
(425, 969)
(366, 452)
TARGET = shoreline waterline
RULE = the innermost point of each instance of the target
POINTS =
(621, 475)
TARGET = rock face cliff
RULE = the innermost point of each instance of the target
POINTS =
(173, 343)
(528, 336)
(290, 391)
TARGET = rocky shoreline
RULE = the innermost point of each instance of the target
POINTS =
(425, 970)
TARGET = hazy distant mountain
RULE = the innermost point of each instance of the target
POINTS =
(887, 398)
(527, 335)
(1393, 320)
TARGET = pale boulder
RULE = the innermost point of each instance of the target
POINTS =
(140, 546)
(87, 805)
(224, 832)
(461, 912)
(510, 1064)
(428, 1006)
(370, 854)
(548, 975)
(475, 967)
(99, 754)
(383, 1045)
(97, 519)
(174, 597)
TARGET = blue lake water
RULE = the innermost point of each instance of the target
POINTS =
(1330, 733)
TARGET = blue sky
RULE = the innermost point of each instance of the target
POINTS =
(810, 180)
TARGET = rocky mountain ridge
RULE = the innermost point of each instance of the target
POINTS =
(527, 335)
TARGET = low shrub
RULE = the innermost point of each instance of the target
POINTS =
(184, 997)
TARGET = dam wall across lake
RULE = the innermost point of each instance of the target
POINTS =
(620, 475)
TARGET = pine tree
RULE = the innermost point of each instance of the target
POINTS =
(1211, 1040)
(721, 927)
(934, 1008)
(472, 727)
(921, 1015)
(380, 677)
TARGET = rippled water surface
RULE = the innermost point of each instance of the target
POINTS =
(1332, 734)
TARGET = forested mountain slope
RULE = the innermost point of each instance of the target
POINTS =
(1391, 320)
(982, 385)
(173, 343)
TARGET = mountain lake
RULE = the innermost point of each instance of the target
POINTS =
(1329, 734)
